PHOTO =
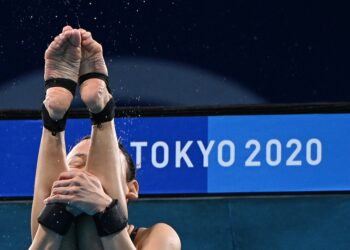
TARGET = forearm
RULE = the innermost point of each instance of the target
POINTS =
(46, 239)
(112, 228)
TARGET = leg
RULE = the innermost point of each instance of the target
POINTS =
(62, 60)
(104, 160)
(51, 162)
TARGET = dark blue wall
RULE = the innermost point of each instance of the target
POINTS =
(302, 222)
(284, 51)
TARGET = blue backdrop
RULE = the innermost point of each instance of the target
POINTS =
(200, 155)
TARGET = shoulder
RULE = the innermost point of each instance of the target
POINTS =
(160, 235)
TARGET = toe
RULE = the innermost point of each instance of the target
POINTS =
(58, 39)
(75, 38)
(86, 35)
(82, 30)
(55, 44)
(67, 27)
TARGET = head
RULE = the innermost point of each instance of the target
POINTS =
(77, 159)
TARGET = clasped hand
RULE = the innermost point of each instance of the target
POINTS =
(81, 191)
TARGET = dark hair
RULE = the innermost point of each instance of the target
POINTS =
(131, 174)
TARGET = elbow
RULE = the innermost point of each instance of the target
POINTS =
(42, 247)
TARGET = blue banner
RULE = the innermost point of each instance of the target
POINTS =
(204, 154)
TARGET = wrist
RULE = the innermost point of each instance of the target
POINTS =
(103, 204)
(111, 221)
(56, 218)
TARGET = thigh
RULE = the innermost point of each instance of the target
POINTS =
(51, 162)
(86, 234)
(69, 241)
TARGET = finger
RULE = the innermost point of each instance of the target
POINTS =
(68, 175)
(75, 182)
(59, 198)
(64, 190)
(61, 183)
(130, 228)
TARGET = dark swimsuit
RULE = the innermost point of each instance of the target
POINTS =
(133, 234)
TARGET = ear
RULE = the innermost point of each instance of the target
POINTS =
(133, 190)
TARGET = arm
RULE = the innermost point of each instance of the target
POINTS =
(84, 192)
(55, 221)
(46, 239)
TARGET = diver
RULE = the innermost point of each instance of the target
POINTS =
(80, 199)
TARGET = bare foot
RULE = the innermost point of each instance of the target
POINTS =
(93, 91)
(62, 60)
